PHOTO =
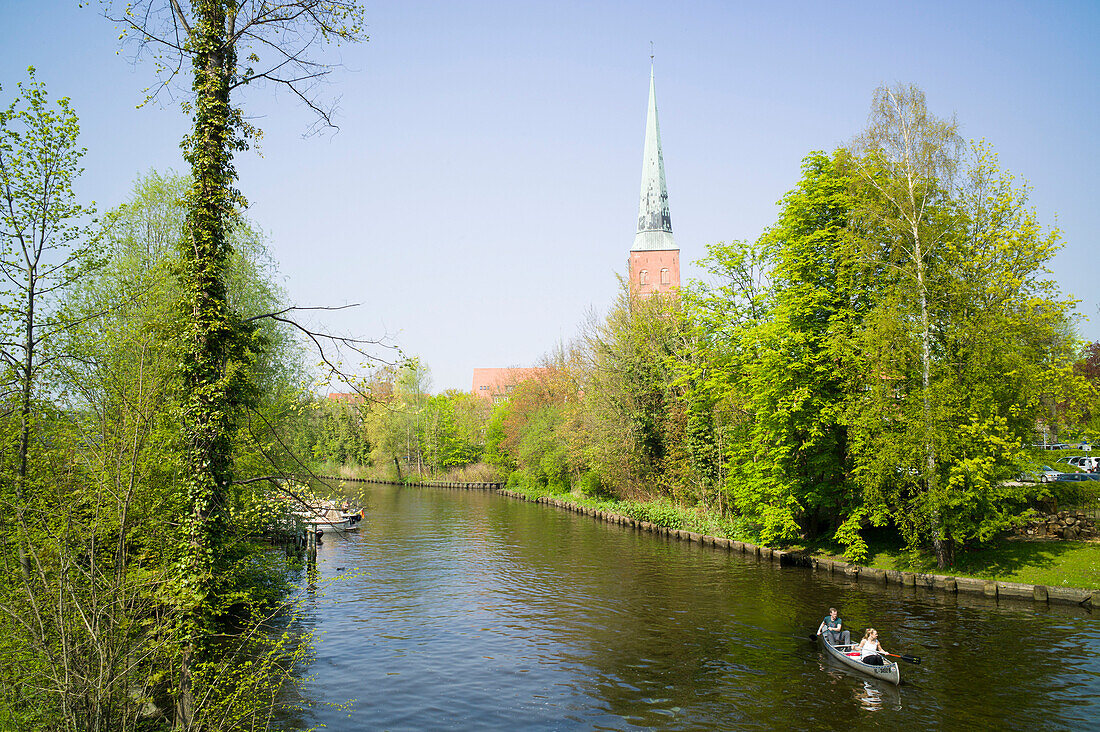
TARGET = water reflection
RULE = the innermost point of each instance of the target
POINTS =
(472, 611)
(874, 697)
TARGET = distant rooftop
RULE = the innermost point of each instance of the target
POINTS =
(497, 384)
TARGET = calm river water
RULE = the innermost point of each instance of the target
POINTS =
(469, 610)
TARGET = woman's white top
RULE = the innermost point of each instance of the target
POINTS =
(869, 648)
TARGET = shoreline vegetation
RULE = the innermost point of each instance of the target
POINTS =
(1024, 561)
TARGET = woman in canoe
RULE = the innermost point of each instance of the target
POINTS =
(870, 649)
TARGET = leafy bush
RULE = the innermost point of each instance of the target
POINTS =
(590, 485)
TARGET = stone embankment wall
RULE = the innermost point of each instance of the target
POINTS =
(1062, 525)
(960, 586)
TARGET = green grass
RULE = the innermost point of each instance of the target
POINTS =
(1036, 562)
(1065, 563)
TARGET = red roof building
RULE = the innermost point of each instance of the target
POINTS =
(497, 384)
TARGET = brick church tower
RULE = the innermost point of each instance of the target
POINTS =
(654, 258)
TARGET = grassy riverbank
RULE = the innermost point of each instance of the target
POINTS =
(1058, 563)
(1037, 562)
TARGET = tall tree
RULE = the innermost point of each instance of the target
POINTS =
(628, 390)
(229, 45)
(47, 243)
(795, 473)
(909, 157)
(963, 335)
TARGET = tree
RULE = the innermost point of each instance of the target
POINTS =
(452, 437)
(722, 317)
(909, 158)
(1001, 343)
(795, 472)
(95, 629)
(962, 335)
(397, 417)
(47, 243)
(215, 342)
(1087, 373)
(97, 521)
(635, 421)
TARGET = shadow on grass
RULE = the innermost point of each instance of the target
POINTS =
(1005, 558)
(1002, 559)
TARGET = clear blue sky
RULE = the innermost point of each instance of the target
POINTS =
(482, 193)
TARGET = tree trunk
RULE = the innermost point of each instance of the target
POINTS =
(25, 398)
(208, 330)
(940, 542)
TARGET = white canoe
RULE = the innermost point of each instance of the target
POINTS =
(334, 525)
(888, 671)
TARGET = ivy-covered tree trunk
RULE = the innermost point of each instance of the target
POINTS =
(208, 329)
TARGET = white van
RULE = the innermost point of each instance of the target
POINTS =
(1085, 462)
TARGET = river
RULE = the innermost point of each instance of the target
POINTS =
(455, 609)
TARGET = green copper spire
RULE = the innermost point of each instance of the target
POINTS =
(654, 221)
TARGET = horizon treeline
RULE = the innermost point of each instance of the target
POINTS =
(883, 355)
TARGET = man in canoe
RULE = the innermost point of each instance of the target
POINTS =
(831, 627)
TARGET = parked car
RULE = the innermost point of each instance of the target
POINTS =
(1086, 463)
(1077, 462)
(1066, 477)
(1044, 474)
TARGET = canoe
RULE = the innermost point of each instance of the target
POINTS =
(326, 517)
(888, 671)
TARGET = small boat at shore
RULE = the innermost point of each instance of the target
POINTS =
(324, 515)
(888, 671)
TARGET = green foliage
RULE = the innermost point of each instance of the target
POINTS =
(46, 245)
(991, 359)
(130, 468)
(453, 434)
(495, 454)
(875, 359)
(793, 470)
(975, 498)
(848, 535)
(540, 454)
(631, 414)
(105, 471)
(591, 486)
(334, 432)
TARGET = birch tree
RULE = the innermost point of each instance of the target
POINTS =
(910, 158)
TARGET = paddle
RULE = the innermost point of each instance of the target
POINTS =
(910, 659)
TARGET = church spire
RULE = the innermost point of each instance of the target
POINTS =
(654, 221)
